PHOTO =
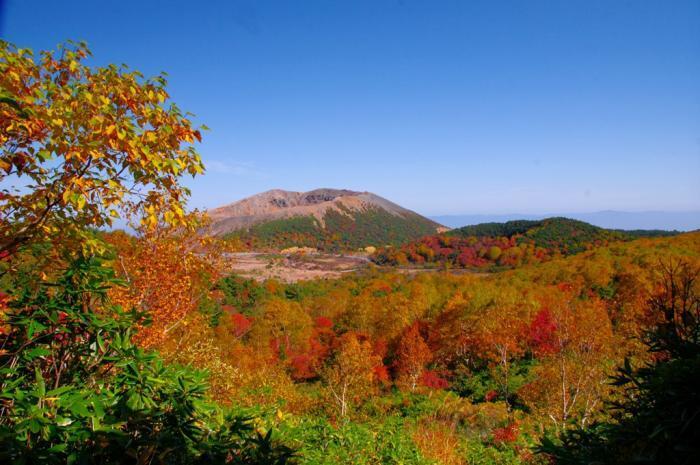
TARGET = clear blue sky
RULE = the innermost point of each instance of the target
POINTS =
(443, 107)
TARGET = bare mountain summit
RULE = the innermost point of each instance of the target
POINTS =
(322, 218)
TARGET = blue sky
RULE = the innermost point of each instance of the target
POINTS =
(444, 107)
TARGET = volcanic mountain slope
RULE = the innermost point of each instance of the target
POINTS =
(327, 219)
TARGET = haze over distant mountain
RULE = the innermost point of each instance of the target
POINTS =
(322, 218)
(680, 221)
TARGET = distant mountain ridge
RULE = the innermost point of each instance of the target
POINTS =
(610, 219)
(322, 218)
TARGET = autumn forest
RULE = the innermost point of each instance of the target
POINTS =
(126, 338)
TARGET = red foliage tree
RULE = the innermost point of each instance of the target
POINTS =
(542, 333)
(506, 434)
(241, 324)
(434, 380)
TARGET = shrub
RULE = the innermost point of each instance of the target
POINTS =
(75, 389)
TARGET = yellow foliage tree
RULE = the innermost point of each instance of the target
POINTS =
(350, 376)
(95, 144)
(572, 380)
(284, 324)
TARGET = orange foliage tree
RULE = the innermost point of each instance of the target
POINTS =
(412, 355)
(169, 272)
(284, 327)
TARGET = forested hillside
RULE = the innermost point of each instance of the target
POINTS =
(507, 245)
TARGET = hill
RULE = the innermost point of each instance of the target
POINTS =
(564, 235)
(327, 219)
(609, 219)
(508, 244)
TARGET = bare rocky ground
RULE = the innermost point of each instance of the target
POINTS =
(299, 267)
(294, 267)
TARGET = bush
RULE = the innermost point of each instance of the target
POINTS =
(75, 389)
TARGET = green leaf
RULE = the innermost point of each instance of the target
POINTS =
(40, 388)
(34, 426)
(36, 352)
(100, 342)
(58, 448)
(80, 408)
(133, 402)
(34, 328)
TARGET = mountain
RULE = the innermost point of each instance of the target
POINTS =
(651, 220)
(328, 219)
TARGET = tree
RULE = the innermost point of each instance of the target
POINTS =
(91, 144)
(498, 338)
(542, 333)
(494, 253)
(412, 354)
(169, 272)
(84, 146)
(284, 325)
(573, 339)
(350, 375)
(656, 419)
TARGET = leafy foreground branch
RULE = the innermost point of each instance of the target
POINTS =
(76, 390)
